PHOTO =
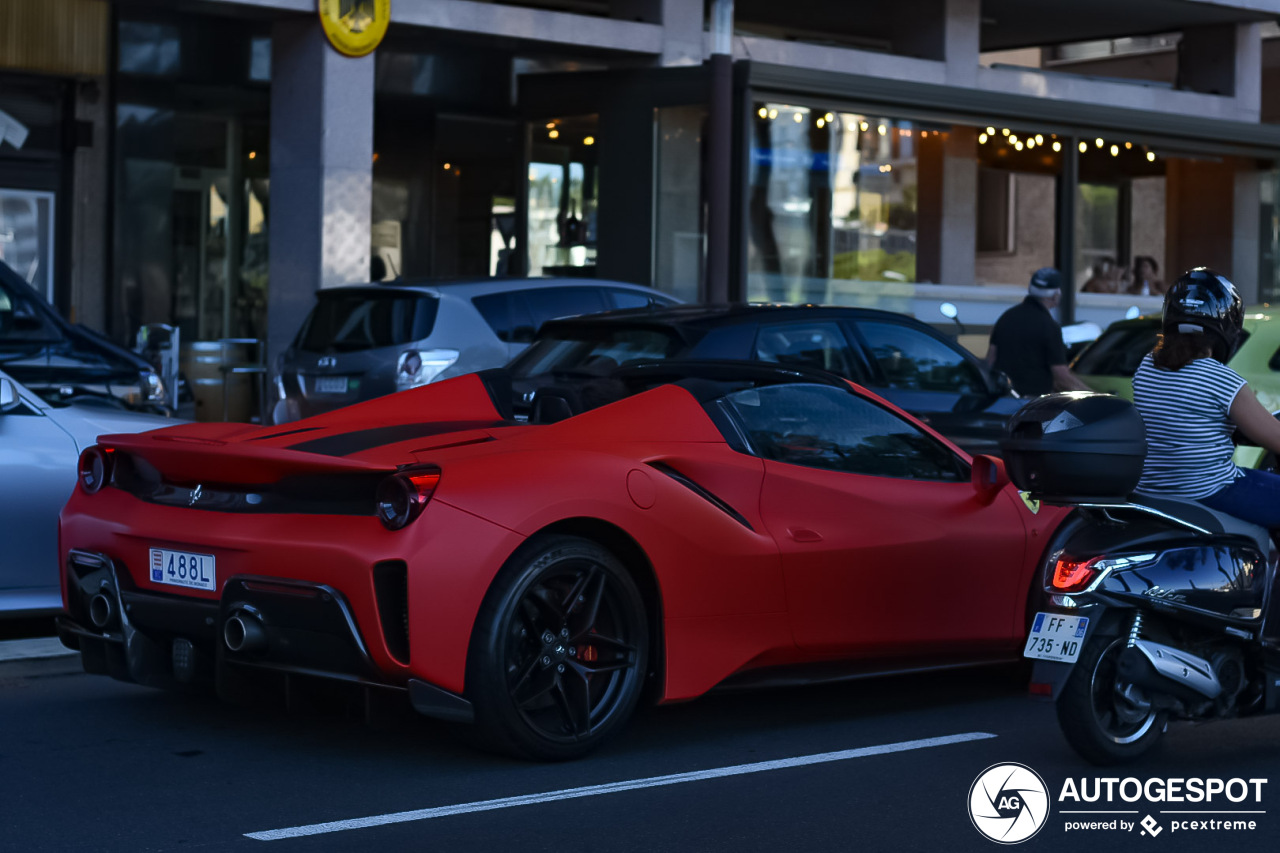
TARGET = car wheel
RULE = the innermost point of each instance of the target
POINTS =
(559, 653)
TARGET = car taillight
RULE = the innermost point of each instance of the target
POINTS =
(1074, 575)
(402, 497)
(95, 468)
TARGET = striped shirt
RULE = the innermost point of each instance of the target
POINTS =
(1185, 411)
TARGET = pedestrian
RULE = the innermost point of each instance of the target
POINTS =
(1191, 402)
(1104, 277)
(1026, 343)
(1145, 281)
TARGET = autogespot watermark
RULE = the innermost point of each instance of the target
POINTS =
(1009, 803)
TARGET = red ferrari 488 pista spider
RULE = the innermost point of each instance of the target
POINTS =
(702, 524)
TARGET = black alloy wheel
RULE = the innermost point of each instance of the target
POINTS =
(1106, 719)
(560, 651)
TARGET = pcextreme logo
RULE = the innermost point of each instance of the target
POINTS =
(1008, 803)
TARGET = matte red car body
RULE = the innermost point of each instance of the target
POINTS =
(834, 565)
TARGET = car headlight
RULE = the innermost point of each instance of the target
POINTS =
(152, 387)
(419, 367)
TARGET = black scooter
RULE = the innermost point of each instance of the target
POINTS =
(1155, 609)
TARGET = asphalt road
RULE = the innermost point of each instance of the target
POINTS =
(90, 764)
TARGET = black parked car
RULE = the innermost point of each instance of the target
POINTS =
(904, 360)
(59, 361)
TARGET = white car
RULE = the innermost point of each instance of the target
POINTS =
(40, 442)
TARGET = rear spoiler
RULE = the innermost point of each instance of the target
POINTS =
(244, 454)
(189, 459)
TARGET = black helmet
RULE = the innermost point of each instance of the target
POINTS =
(1204, 302)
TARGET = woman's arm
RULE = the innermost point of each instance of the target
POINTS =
(1255, 421)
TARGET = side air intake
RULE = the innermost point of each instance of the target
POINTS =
(391, 588)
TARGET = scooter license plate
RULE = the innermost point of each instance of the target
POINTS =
(1056, 637)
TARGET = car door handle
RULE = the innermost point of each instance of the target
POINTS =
(804, 534)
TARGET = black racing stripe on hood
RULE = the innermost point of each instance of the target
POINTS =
(348, 443)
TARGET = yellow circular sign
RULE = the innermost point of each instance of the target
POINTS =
(355, 27)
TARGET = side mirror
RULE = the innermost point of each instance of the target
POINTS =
(9, 398)
(1000, 383)
(988, 477)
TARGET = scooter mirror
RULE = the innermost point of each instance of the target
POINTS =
(949, 311)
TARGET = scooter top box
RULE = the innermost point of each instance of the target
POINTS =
(1076, 447)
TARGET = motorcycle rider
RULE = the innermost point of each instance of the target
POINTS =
(1191, 402)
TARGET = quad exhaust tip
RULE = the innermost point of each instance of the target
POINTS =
(244, 633)
(100, 610)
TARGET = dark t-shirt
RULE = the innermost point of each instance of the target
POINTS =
(1028, 344)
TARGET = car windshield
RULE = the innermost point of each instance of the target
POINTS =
(594, 350)
(354, 320)
(1118, 351)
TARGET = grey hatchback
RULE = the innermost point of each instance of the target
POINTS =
(364, 341)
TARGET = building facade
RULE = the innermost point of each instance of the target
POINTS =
(210, 164)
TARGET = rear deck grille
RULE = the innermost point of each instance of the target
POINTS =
(324, 494)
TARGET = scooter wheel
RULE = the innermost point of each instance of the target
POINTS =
(1106, 720)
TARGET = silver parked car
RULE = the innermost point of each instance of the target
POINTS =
(364, 341)
(40, 441)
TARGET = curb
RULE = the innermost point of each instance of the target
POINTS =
(37, 656)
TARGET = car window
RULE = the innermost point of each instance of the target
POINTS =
(821, 426)
(508, 316)
(1117, 351)
(913, 360)
(598, 349)
(631, 298)
(22, 321)
(820, 345)
(550, 303)
(362, 319)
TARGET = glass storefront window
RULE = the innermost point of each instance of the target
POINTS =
(191, 223)
(563, 197)
(833, 197)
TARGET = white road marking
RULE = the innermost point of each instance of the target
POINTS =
(612, 787)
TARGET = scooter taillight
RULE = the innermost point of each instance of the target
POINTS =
(1074, 575)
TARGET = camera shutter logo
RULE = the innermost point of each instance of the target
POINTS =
(1008, 803)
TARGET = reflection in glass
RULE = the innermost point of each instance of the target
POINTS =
(563, 197)
(26, 236)
(832, 196)
(149, 48)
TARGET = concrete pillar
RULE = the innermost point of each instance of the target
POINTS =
(321, 172)
(682, 26)
(947, 207)
(959, 234)
(963, 27)
(941, 30)
(1248, 71)
(1245, 248)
